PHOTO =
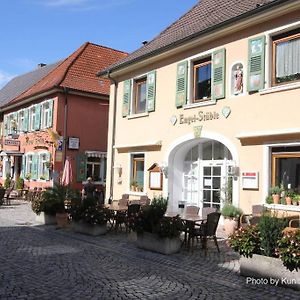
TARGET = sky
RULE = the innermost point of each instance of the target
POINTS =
(45, 31)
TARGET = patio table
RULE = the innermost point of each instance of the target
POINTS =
(116, 209)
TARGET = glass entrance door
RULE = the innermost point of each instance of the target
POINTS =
(212, 176)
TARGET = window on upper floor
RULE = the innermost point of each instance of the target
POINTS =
(45, 113)
(21, 120)
(202, 80)
(140, 96)
(286, 57)
(32, 118)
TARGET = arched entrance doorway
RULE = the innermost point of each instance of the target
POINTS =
(202, 173)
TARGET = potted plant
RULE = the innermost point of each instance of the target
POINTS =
(28, 176)
(266, 253)
(7, 181)
(54, 199)
(45, 214)
(133, 185)
(289, 194)
(88, 217)
(275, 191)
(231, 216)
(296, 199)
(154, 231)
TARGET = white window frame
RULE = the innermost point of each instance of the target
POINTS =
(31, 121)
(102, 164)
(130, 164)
(45, 111)
(41, 164)
(269, 63)
(21, 116)
(27, 169)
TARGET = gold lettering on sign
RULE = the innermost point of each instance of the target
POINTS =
(200, 117)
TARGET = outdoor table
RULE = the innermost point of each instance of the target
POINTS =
(116, 209)
(190, 221)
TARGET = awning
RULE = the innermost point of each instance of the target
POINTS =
(98, 154)
(11, 153)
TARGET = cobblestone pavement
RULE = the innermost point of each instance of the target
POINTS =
(41, 262)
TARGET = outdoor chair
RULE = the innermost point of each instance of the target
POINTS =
(133, 209)
(7, 195)
(253, 218)
(144, 200)
(206, 211)
(206, 230)
(123, 202)
(192, 210)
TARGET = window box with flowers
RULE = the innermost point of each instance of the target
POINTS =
(268, 253)
(156, 232)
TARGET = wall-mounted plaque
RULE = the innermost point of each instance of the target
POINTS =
(73, 143)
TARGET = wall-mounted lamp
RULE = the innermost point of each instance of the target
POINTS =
(118, 169)
(163, 167)
(233, 170)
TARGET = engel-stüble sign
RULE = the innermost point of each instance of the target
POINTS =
(200, 117)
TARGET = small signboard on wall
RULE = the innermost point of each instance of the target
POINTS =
(155, 178)
(250, 180)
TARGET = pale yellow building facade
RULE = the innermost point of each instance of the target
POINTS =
(210, 111)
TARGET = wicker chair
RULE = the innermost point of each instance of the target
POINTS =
(192, 210)
(207, 230)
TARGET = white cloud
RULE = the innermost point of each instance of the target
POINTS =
(5, 77)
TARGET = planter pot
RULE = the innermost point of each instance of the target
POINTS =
(230, 225)
(152, 242)
(295, 203)
(62, 220)
(94, 230)
(276, 198)
(45, 219)
(288, 200)
(268, 270)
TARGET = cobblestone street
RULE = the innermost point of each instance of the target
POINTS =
(41, 262)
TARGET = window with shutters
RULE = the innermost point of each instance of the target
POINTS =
(21, 120)
(202, 80)
(286, 57)
(43, 165)
(140, 96)
(32, 118)
(29, 166)
(45, 111)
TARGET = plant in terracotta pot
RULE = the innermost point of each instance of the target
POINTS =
(289, 194)
(296, 199)
(275, 191)
(231, 215)
(133, 185)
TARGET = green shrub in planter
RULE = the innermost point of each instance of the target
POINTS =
(270, 228)
(7, 181)
(289, 250)
(231, 211)
(19, 183)
(245, 241)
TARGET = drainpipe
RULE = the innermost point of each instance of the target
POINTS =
(66, 90)
(113, 139)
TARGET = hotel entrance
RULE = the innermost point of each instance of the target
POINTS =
(204, 177)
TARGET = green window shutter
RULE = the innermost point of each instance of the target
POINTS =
(47, 173)
(35, 165)
(26, 119)
(181, 84)
(151, 85)
(218, 74)
(37, 121)
(81, 160)
(256, 64)
(126, 98)
(23, 168)
(50, 116)
(5, 132)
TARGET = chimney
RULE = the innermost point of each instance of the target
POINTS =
(40, 65)
(145, 43)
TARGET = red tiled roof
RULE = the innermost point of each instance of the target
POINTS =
(78, 72)
(204, 16)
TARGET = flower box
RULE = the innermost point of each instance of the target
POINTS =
(268, 270)
(153, 242)
(89, 229)
(45, 219)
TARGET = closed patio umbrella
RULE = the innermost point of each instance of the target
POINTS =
(67, 176)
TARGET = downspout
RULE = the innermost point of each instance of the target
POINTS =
(65, 137)
(113, 139)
